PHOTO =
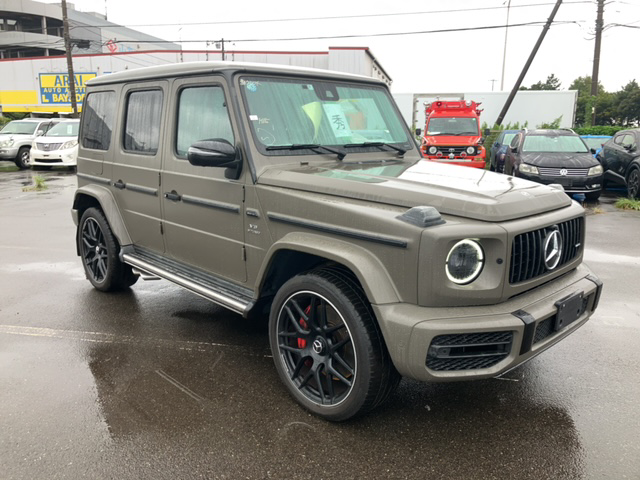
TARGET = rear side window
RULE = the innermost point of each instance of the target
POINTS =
(98, 115)
(202, 115)
(142, 122)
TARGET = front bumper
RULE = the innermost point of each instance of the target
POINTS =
(8, 153)
(570, 184)
(466, 343)
(65, 158)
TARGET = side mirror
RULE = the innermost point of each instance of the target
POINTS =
(216, 152)
(418, 132)
(39, 133)
(487, 132)
(593, 151)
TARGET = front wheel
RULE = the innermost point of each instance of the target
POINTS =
(592, 196)
(327, 346)
(633, 183)
(22, 160)
(99, 251)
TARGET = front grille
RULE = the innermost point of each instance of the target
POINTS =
(48, 147)
(569, 172)
(527, 256)
(468, 351)
(457, 150)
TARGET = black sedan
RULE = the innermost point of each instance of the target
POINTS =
(555, 156)
(621, 160)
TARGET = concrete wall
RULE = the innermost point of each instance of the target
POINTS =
(535, 107)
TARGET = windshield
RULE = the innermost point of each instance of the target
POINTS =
(452, 126)
(554, 144)
(285, 112)
(19, 128)
(64, 129)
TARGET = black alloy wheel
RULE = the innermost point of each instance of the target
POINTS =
(99, 249)
(327, 347)
(633, 183)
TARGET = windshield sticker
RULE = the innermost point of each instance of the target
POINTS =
(252, 86)
(253, 118)
(337, 120)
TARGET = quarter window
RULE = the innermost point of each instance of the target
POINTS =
(142, 123)
(202, 115)
(97, 120)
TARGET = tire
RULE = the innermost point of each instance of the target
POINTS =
(321, 322)
(492, 168)
(22, 159)
(99, 250)
(593, 196)
(633, 183)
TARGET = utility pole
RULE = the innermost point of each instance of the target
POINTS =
(596, 60)
(223, 59)
(525, 69)
(493, 81)
(67, 47)
(504, 54)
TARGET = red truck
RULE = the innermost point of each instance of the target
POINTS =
(452, 133)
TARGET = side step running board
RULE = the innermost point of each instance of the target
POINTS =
(219, 291)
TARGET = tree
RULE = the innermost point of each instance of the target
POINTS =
(552, 83)
(602, 103)
(627, 104)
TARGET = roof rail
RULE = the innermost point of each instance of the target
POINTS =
(568, 129)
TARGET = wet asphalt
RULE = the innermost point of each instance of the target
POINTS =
(158, 383)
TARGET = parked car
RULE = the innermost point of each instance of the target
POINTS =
(555, 156)
(595, 142)
(299, 196)
(58, 147)
(17, 136)
(620, 158)
(498, 150)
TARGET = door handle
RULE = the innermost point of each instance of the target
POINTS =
(172, 195)
(120, 184)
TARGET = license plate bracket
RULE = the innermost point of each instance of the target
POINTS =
(569, 310)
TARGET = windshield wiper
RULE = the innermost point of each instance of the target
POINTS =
(380, 145)
(309, 146)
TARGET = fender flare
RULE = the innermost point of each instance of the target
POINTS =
(108, 206)
(371, 273)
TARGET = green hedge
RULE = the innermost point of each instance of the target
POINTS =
(4, 121)
(599, 130)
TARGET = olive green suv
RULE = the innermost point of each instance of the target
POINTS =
(300, 196)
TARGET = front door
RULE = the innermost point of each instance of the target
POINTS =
(202, 210)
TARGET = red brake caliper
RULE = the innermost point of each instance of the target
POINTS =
(302, 343)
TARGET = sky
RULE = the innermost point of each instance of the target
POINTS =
(417, 62)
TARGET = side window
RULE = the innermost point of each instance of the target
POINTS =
(618, 139)
(45, 127)
(98, 115)
(142, 122)
(628, 140)
(202, 115)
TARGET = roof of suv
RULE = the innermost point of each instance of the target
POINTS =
(201, 68)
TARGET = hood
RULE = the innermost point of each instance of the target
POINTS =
(452, 139)
(559, 160)
(453, 190)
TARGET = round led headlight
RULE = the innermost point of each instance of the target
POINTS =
(432, 150)
(471, 150)
(464, 262)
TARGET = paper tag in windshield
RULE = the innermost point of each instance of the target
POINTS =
(337, 120)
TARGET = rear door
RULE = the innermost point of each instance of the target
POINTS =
(136, 167)
(202, 209)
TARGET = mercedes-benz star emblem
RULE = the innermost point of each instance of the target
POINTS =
(552, 249)
(317, 346)
(564, 172)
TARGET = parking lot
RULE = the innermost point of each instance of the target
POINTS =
(157, 383)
